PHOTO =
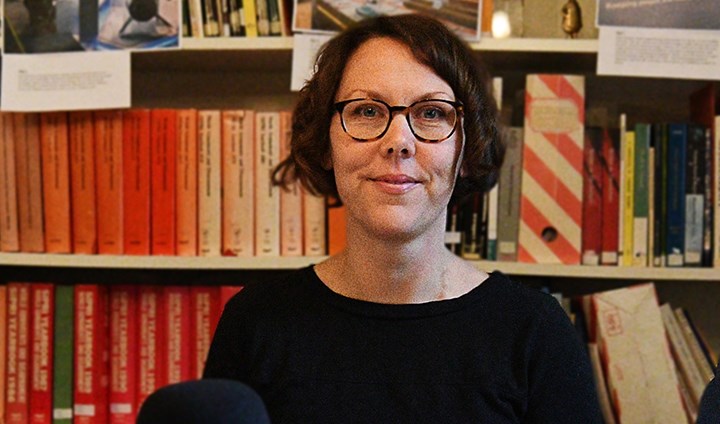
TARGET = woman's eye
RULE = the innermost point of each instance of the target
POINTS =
(431, 113)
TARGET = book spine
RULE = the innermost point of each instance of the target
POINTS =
(63, 354)
(314, 224)
(136, 182)
(641, 205)
(17, 367)
(628, 200)
(716, 192)
(3, 347)
(251, 28)
(661, 163)
(108, 171)
(163, 147)
(9, 231)
(592, 197)
(267, 195)
(336, 227)
(82, 189)
(226, 293)
(195, 12)
(187, 183)
(291, 219)
(56, 182)
(123, 354)
(509, 195)
(150, 337)
(41, 367)
(176, 312)
(29, 182)
(471, 217)
(707, 176)
(676, 168)
(209, 181)
(704, 367)
(694, 195)
(238, 183)
(205, 316)
(621, 188)
(651, 206)
(492, 224)
(683, 356)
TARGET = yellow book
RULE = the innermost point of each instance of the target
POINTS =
(628, 198)
(251, 29)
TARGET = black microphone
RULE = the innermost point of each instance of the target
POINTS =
(208, 401)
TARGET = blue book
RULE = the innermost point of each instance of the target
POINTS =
(676, 176)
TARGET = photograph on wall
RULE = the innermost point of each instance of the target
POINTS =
(671, 14)
(461, 16)
(50, 26)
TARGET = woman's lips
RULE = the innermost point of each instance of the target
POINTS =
(395, 183)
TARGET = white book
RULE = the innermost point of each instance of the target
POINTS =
(291, 219)
(209, 180)
(267, 195)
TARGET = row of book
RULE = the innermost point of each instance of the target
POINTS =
(634, 195)
(92, 353)
(162, 182)
(650, 361)
(236, 18)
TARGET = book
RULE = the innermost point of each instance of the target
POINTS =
(28, 170)
(509, 195)
(675, 192)
(551, 199)
(163, 157)
(314, 224)
(682, 354)
(123, 354)
(17, 399)
(251, 28)
(267, 195)
(716, 193)
(473, 224)
(55, 153)
(628, 198)
(9, 231)
(238, 183)
(695, 172)
(291, 219)
(64, 341)
(209, 182)
(660, 139)
(82, 178)
(701, 361)
(641, 205)
(90, 382)
(109, 172)
(592, 197)
(600, 385)
(150, 342)
(136, 182)
(336, 227)
(187, 184)
(176, 334)
(205, 310)
(42, 304)
(3, 347)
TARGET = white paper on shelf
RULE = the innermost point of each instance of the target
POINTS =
(659, 52)
(305, 49)
(65, 81)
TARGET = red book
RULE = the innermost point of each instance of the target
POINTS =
(28, 171)
(163, 145)
(90, 394)
(337, 227)
(592, 213)
(9, 232)
(56, 182)
(205, 309)
(176, 316)
(610, 197)
(18, 367)
(123, 354)
(187, 183)
(108, 172)
(226, 293)
(82, 179)
(150, 342)
(41, 368)
(136, 181)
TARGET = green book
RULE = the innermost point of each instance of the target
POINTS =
(63, 355)
(641, 197)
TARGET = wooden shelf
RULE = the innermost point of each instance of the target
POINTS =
(286, 263)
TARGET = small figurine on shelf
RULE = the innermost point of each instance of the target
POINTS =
(572, 18)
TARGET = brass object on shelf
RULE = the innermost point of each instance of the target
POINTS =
(572, 18)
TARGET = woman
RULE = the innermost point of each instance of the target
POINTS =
(395, 122)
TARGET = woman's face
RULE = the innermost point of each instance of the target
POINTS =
(396, 186)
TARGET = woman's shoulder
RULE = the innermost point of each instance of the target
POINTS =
(511, 297)
(273, 293)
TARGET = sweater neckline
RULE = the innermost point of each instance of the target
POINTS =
(408, 310)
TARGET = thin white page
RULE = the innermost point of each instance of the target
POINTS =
(65, 81)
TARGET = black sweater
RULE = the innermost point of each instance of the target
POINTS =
(500, 353)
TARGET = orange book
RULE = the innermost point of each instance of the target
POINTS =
(186, 184)
(209, 180)
(28, 171)
(123, 354)
(163, 145)
(177, 342)
(150, 342)
(3, 348)
(18, 369)
(205, 310)
(41, 356)
(238, 183)
(136, 181)
(291, 217)
(267, 195)
(108, 171)
(314, 225)
(9, 233)
(336, 228)
(82, 182)
(56, 181)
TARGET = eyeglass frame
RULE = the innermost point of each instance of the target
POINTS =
(457, 105)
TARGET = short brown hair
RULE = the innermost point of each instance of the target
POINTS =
(432, 44)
